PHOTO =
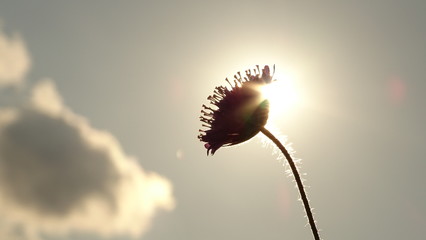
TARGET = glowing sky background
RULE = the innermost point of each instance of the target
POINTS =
(99, 119)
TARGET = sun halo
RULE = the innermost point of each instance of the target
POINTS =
(282, 96)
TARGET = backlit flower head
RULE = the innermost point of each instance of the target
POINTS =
(237, 114)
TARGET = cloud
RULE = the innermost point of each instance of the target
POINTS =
(14, 60)
(59, 175)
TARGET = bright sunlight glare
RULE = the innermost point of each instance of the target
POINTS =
(282, 95)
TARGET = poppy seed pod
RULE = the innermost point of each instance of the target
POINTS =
(237, 114)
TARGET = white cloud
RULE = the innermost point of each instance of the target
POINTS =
(14, 60)
(58, 175)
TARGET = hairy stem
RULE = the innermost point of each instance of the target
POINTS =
(298, 181)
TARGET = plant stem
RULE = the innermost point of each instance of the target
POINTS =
(298, 181)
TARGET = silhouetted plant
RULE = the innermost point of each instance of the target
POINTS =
(240, 112)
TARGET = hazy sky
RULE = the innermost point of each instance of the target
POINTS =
(99, 107)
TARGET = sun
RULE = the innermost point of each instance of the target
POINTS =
(282, 95)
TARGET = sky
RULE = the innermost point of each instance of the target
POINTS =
(99, 108)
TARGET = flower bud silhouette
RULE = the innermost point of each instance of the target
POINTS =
(239, 112)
